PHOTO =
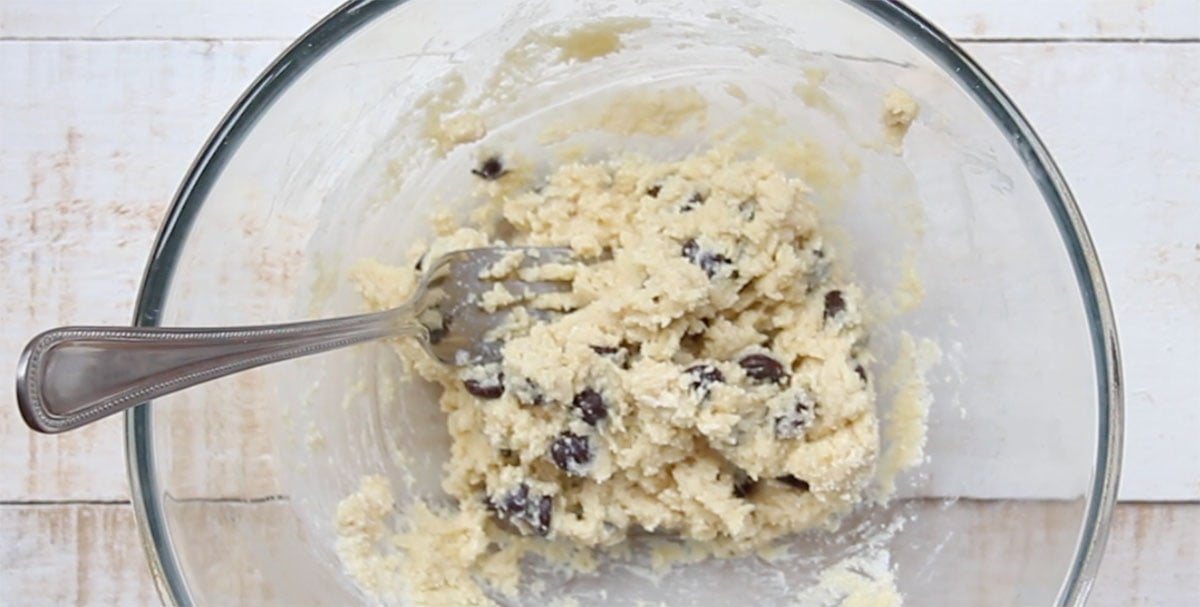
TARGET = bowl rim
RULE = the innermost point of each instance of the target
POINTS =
(1101, 497)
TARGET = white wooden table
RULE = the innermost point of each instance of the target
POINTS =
(103, 104)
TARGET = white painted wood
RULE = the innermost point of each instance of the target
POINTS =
(285, 19)
(1123, 122)
(91, 160)
(72, 555)
(95, 140)
(87, 555)
(94, 137)
(170, 19)
(1036, 19)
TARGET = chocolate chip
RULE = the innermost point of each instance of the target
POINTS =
(834, 304)
(862, 373)
(793, 482)
(743, 485)
(490, 169)
(509, 457)
(792, 423)
(761, 367)
(512, 504)
(692, 203)
(708, 261)
(572, 453)
(489, 388)
(789, 426)
(818, 274)
(704, 376)
(748, 209)
(621, 355)
(654, 190)
(529, 513)
(591, 406)
(691, 249)
(437, 334)
(528, 393)
(545, 509)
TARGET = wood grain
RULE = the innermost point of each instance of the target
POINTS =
(91, 160)
(106, 102)
(72, 555)
(1123, 123)
(95, 141)
(285, 19)
(89, 554)
(1064, 19)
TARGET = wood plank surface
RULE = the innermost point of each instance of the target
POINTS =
(106, 102)
(285, 19)
(1123, 123)
(89, 555)
(95, 140)
(92, 156)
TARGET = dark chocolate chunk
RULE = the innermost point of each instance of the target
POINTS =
(748, 209)
(691, 249)
(743, 485)
(437, 334)
(791, 481)
(704, 376)
(692, 203)
(862, 373)
(591, 406)
(529, 513)
(572, 453)
(621, 355)
(764, 368)
(654, 190)
(545, 508)
(818, 274)
(708, 261)
(528, 393)
(489, 388)
(834, 304)
(491, 169)
(792, 423)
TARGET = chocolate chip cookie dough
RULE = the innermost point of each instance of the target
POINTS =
(705, 377)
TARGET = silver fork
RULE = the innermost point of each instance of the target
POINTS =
(71, 376)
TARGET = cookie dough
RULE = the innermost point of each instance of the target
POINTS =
(899, 112)
(705, 377)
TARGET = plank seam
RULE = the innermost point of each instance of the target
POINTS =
(282, 39)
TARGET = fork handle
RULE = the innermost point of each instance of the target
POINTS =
(72, 376)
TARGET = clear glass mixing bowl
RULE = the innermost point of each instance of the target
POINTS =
(322, 163)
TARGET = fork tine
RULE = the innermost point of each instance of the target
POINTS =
(458, 280)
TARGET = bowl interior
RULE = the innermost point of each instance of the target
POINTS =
(965, 241)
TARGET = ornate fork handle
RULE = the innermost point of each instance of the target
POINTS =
(71, 376)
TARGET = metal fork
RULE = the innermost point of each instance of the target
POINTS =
(71, 376)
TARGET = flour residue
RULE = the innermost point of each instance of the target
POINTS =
(595, 40)
(905, 423)
(860, 581)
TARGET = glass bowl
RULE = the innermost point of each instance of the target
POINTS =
(962, 230)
